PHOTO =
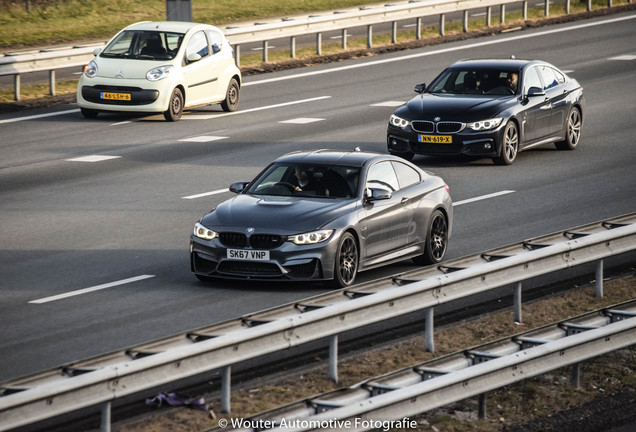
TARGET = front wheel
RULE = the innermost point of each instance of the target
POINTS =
(572, 131)
(175, 108)
(510, 145)
(346, 263)
(436, 240)
(232, 96)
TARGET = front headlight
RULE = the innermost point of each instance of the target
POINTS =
(398, 121)
(485, 124)
(203, 232)
(311, 237)
(90, 70)
(158, 73)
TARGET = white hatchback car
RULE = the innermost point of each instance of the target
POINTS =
(161, 67)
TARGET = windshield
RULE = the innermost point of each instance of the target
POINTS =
(144, 45)
(307, 180)
(495, 82)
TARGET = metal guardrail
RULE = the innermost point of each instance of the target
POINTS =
(454, 377)
(51, 60)
(103, 379)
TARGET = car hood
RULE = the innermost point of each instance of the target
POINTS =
(126, 68)
(453, 107)
(275, 215)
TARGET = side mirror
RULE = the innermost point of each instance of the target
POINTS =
(194, 57)
(238, 187)
(535, 91)
(419, 88)
(97, 51)
(377, 194)
(215, 48)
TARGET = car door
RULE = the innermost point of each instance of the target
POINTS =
(385, 222)
(537, 111)
(556, 92)
(200, 70)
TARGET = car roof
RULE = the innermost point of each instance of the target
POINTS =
(510, 63)
(168, 26)
(334, 157)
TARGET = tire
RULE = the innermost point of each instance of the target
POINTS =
(346, 262)
(510, 145)
(89, 113)
(572, 131)
(436, 240)
(175, 107)
(232, 96)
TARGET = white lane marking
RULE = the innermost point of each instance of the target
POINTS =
(302, 120)
(203, 138)
(483, 197)
(440, 51)
(122, 123)
(37, 116)
(204, 194)
(92, 158)
(626, 57)
(389, 104)
(211, 116)
(91, 289)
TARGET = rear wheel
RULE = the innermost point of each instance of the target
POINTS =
(572, 131)
(175, 108)
(510, 145)
(436, 240)
(346, 263)
(232, 96)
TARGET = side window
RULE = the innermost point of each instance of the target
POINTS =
(532, 79)
(216, 40)
(198, 44)
(549, 77)
(382, 175)
(406, 175)
(559, 76)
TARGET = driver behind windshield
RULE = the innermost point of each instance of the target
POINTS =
(308, 183)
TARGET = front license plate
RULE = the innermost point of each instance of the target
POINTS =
(115, 96)
(436, 139)
(248, 255)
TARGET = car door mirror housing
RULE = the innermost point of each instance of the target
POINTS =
(535, 91)
(238, 187)
(194, 57)
(377, 194)
(419, 88)
(97, 51)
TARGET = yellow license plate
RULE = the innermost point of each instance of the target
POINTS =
(436, 139)
(115, 96)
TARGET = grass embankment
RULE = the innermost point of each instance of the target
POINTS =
(51, 22)
(507, 408)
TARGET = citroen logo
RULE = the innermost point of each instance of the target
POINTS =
(120, 74)
(437, 119)
(249, 230)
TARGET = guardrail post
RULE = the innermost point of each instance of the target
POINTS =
(481, 413)
(609, 3)
(465, 21)
(525, 10)
(105, 423)
(265, 47)
(369, 36)
(567, 7)
(418, 28)
(576, 375)
(237, 55)
(546, 8)
(502, 14)
(599, 279)
(333, 358)
(589, 5)
(442, 19)
(429, 330)
(394, 32)
(517, 303)
(488, 16)
(52, 82)
(16, 87)
(344, 39)
(292, 47)
(226, 389)
(319, 43)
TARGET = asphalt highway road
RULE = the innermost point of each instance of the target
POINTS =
(95, 215)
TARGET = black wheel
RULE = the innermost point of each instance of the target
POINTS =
(572, 131)
(232, 96)
(175, 108)
(346, 263)
(89, 113)
(436, 240)
(510, 145)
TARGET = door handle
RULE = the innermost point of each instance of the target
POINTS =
(404, 200)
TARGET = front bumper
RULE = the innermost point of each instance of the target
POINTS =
(484, 144)
(144, 96)
(286, 262)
